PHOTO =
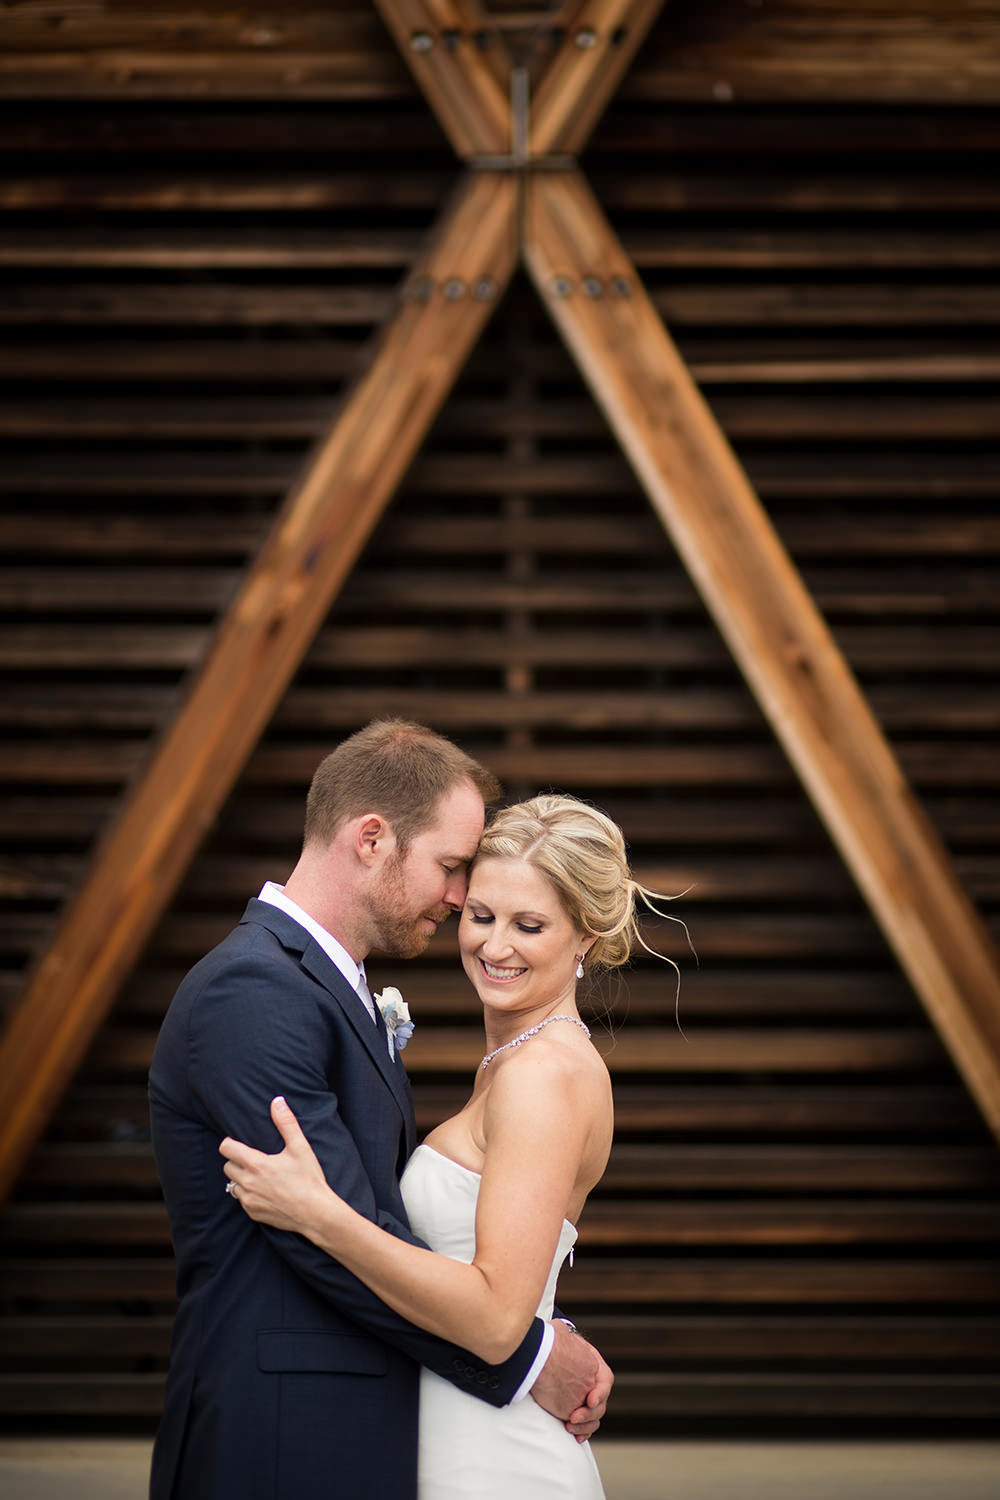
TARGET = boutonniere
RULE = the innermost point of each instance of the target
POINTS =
(396, 1015)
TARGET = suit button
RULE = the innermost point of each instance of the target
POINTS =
(482, 1377)
(495, 1383)
(457, 1364)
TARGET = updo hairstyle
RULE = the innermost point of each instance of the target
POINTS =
(582, 853)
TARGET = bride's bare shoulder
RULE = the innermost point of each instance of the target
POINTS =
(559, 1102)
(560, 1070)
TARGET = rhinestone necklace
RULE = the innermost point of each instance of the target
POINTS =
(532, 1031)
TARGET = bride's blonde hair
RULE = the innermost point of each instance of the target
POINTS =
(581, 851)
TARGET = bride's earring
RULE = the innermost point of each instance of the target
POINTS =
(579, 965)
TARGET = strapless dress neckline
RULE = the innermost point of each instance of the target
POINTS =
(477, 1177)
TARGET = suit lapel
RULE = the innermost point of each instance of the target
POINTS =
(321, 967)
(373, 1035)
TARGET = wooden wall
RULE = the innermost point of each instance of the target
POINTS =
(204, 215)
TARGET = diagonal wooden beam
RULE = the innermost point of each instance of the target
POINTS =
(768, 618)
(601, 40)
(461, 68)
(286, 595)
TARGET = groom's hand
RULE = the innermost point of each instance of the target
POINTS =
(584, 1422)
(574, 1384)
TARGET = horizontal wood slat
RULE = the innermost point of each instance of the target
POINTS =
(709, 1110)
(112, 1398)
(103, 588)
(915, 137)
(613, 1224)
(818, 417)
(724, 249)
(792, 52)
(826, 1399)
(733, 307)
(657, 1398)
(819, 50)
(111, 764)
(614, 1281)
(970, 648)
(892, 1172)
(724, 936)
(709, 1280)
(799, 191)
(147, 359)
(113, 707)
(758, 1340)
(781, 476)
(918, 535)
(762, 1223)
(90, 763)
(761, 1339)
(714, 1050)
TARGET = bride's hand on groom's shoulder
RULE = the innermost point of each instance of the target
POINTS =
(575, 1383)
(287, 1190)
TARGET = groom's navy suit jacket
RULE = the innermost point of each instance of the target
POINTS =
(288, 1379)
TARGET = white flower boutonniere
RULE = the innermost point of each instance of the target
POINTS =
(396, 1015)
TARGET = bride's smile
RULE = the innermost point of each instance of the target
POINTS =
(518, 946)
(492, 972)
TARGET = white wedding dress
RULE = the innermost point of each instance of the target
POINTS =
(470, 1450)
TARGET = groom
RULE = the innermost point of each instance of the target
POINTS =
(288, 1379)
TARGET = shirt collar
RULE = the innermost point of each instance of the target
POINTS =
(338, 955)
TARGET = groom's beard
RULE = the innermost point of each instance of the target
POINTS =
(400, 932)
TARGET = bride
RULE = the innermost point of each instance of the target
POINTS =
(496, 1190)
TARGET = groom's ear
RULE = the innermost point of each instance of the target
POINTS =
(373, 840)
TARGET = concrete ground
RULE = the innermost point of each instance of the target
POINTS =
(75, 1469)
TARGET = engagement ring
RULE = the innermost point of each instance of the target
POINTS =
(231, 1190)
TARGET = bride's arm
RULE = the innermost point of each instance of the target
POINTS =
(537, 1123)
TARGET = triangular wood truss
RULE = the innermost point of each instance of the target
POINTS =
(522, 197)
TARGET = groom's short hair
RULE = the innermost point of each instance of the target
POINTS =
(395, 768)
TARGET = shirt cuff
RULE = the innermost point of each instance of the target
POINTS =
(544, 1350)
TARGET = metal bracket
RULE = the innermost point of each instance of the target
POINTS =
(520, 158)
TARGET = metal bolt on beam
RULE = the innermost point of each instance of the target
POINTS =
(586, 38)
(562, 286)
(592, 286)
(421, 41)
(454, 288)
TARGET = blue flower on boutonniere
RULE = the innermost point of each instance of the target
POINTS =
(396, 1015)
